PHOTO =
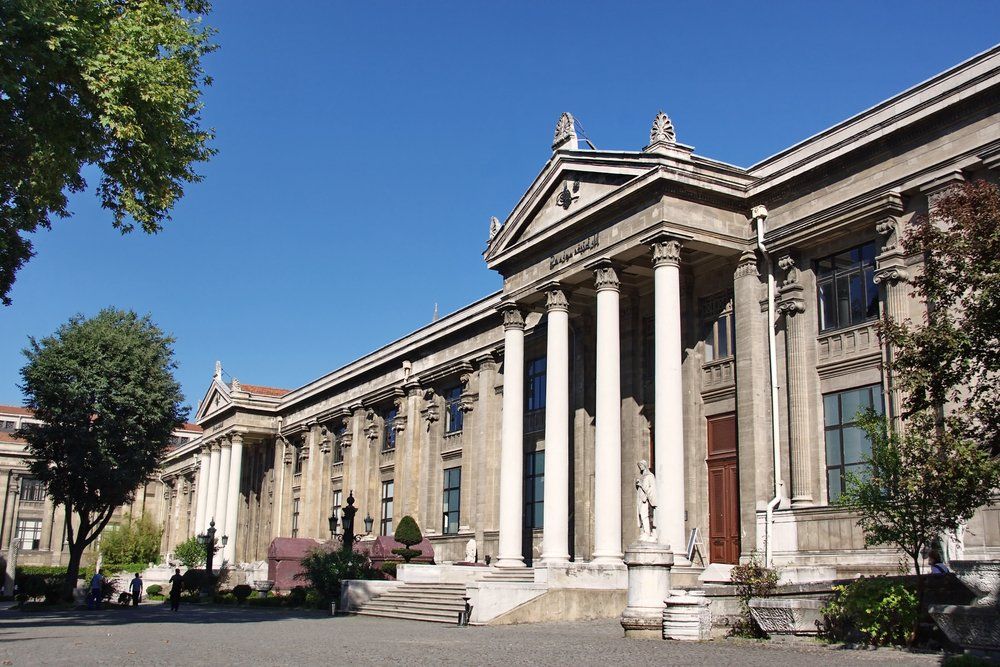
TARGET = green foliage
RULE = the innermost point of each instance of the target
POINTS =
(297, 596)
(951, 357)
(45, 581)
(875, 611)
(111, 85)
(154, 589)
(190, 552)
(134, 541)
(751, 580)
(241, 593)
(389, 567)
(325, 570)
(408, 533)
(105, 392)
(194, 580)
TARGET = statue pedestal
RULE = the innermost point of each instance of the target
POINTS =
(649, 566)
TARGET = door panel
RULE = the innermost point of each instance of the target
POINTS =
(723, 491)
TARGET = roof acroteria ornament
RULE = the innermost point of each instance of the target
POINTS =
(565, 136)
(662, 133)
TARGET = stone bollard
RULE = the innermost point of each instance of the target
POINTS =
(649, 566)
(686, 616)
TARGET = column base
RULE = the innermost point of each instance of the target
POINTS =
(608, 559)
(554, 560)
(509, 562)
(802, 501)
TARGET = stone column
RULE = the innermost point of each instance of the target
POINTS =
(223, 486)
(608, 432)
(555, 539)
(201, 505)
(233, 496)
(891, 276)
(791, 305)
(213, 484)
(512, 439)
(668, 445)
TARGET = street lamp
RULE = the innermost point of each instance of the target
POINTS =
(368, 524)
(347, 538)
(207, 540)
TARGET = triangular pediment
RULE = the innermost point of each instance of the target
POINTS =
(570, 182)
(216, 400)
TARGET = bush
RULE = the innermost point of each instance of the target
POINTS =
(752, 580)
(134, 541)
(407, 533)
(37, 581)
(389, 567)
(190, 552)
(111, 569)
(270, 601)
(297, 596)
(154, 589)
(313, 599)
(241, 593)
(875, 611)
(324, 570)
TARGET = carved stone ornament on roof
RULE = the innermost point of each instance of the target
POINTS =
(565, 135)
(236, 386)
(747, 265)
(662, 130)
(494, 226)
(567, 197)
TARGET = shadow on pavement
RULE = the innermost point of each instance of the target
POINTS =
(13, 620)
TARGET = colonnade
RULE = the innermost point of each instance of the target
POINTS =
(220, 469)
(668, 446)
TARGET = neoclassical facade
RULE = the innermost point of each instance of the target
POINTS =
(715, 321)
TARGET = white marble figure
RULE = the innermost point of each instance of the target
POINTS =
(645, 500)
(494, 226)
(470, 551)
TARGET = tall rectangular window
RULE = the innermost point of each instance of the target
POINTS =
(846, 285)
(534, 386)
(534, 489)
(847, 444)
(453, 415)
(389, 432)
(337, 500)
(385, 525)
(717, 315)
(29, 534)
(32, 490)
(338, 444)
(451, 501)
(297, 453)
(295, 517)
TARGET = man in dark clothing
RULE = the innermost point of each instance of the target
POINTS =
(135, 586)
(176, 585)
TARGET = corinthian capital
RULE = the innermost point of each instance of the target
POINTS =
(555, 299)
(666, 252)
(605, 277)
(512, 316)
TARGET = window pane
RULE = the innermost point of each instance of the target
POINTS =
(828, 306)
(723, 329)
(831, 410)
(871, 290)
(710, 344)
(877, 405)
(868, 253)
(858, 305)
(833, 483)
(843, 301)
(856, 445)
(851, 402)
(833, 447)
(824, 267)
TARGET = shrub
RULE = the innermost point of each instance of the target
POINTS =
(154, 589)
(389, 567)
(195, 580)
(44, 580)
(313, 599)
(408, 534)
(190, 552)
(297, 596)
(875, 611)
(324, 570)
(241, 593)
(752, 580)
(134, 541)
(270, 601)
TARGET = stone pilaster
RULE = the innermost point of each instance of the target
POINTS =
(892, 276)
(791, 306)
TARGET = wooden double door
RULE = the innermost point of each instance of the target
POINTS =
(723, 490)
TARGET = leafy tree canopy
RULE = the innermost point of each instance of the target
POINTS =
(108, 401)
(113, 84)
(190, 552)
(134, 541)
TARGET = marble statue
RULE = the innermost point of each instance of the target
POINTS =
(470, 551)
(645, 497)
(494, 226)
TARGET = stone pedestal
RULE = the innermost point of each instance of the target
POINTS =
(686, 616)
(649, 566)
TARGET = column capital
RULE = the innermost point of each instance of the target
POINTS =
(513, 318)
(747, 265)
(555, 298)
(215, 445)
(791, 307)
(891, 275)
(666, 251)
(236, 437)
(605, 276)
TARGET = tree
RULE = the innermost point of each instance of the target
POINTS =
(190, 552)
(136, 541)
(325, 569)
(104, 391)
(102, 83)
(408, 534)
(951, 358)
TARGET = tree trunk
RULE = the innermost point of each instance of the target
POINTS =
(73, 568)
(920, 600)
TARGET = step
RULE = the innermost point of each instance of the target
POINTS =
(429, 599)
(411, 616)
(429, 604)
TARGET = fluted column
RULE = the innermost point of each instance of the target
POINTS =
(668, 445)
(512, 439)
(555, 539)
(891, 276)
(201, 504)
(791, 306)
(608, 432)
(213, 484)
(233, 496)
(221, 502)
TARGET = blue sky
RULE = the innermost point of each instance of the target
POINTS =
(364, 146)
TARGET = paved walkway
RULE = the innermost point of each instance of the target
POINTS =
(152, 635)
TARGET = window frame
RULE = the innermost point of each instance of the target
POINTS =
(389, 429)
(846, 423)
(534, 505)
(388, 498)
(715, 309)
(454, 418)
(32, 490)
(338, 445)
(22, 533)
(830, 279)
(296, 507)
(452, 490)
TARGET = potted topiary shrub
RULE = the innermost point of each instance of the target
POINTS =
(408, 533)
(241, 593)
(154, 590)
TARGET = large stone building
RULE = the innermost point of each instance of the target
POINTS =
(714, 320)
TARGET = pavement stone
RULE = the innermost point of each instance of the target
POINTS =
(151, 635)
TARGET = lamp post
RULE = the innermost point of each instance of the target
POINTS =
(347, 538)
(207, 540)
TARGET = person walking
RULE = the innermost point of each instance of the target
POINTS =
(135, 586)
(96, 590)
(176, 585)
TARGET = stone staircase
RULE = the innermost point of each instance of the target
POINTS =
(518, 575)
(434, 603)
